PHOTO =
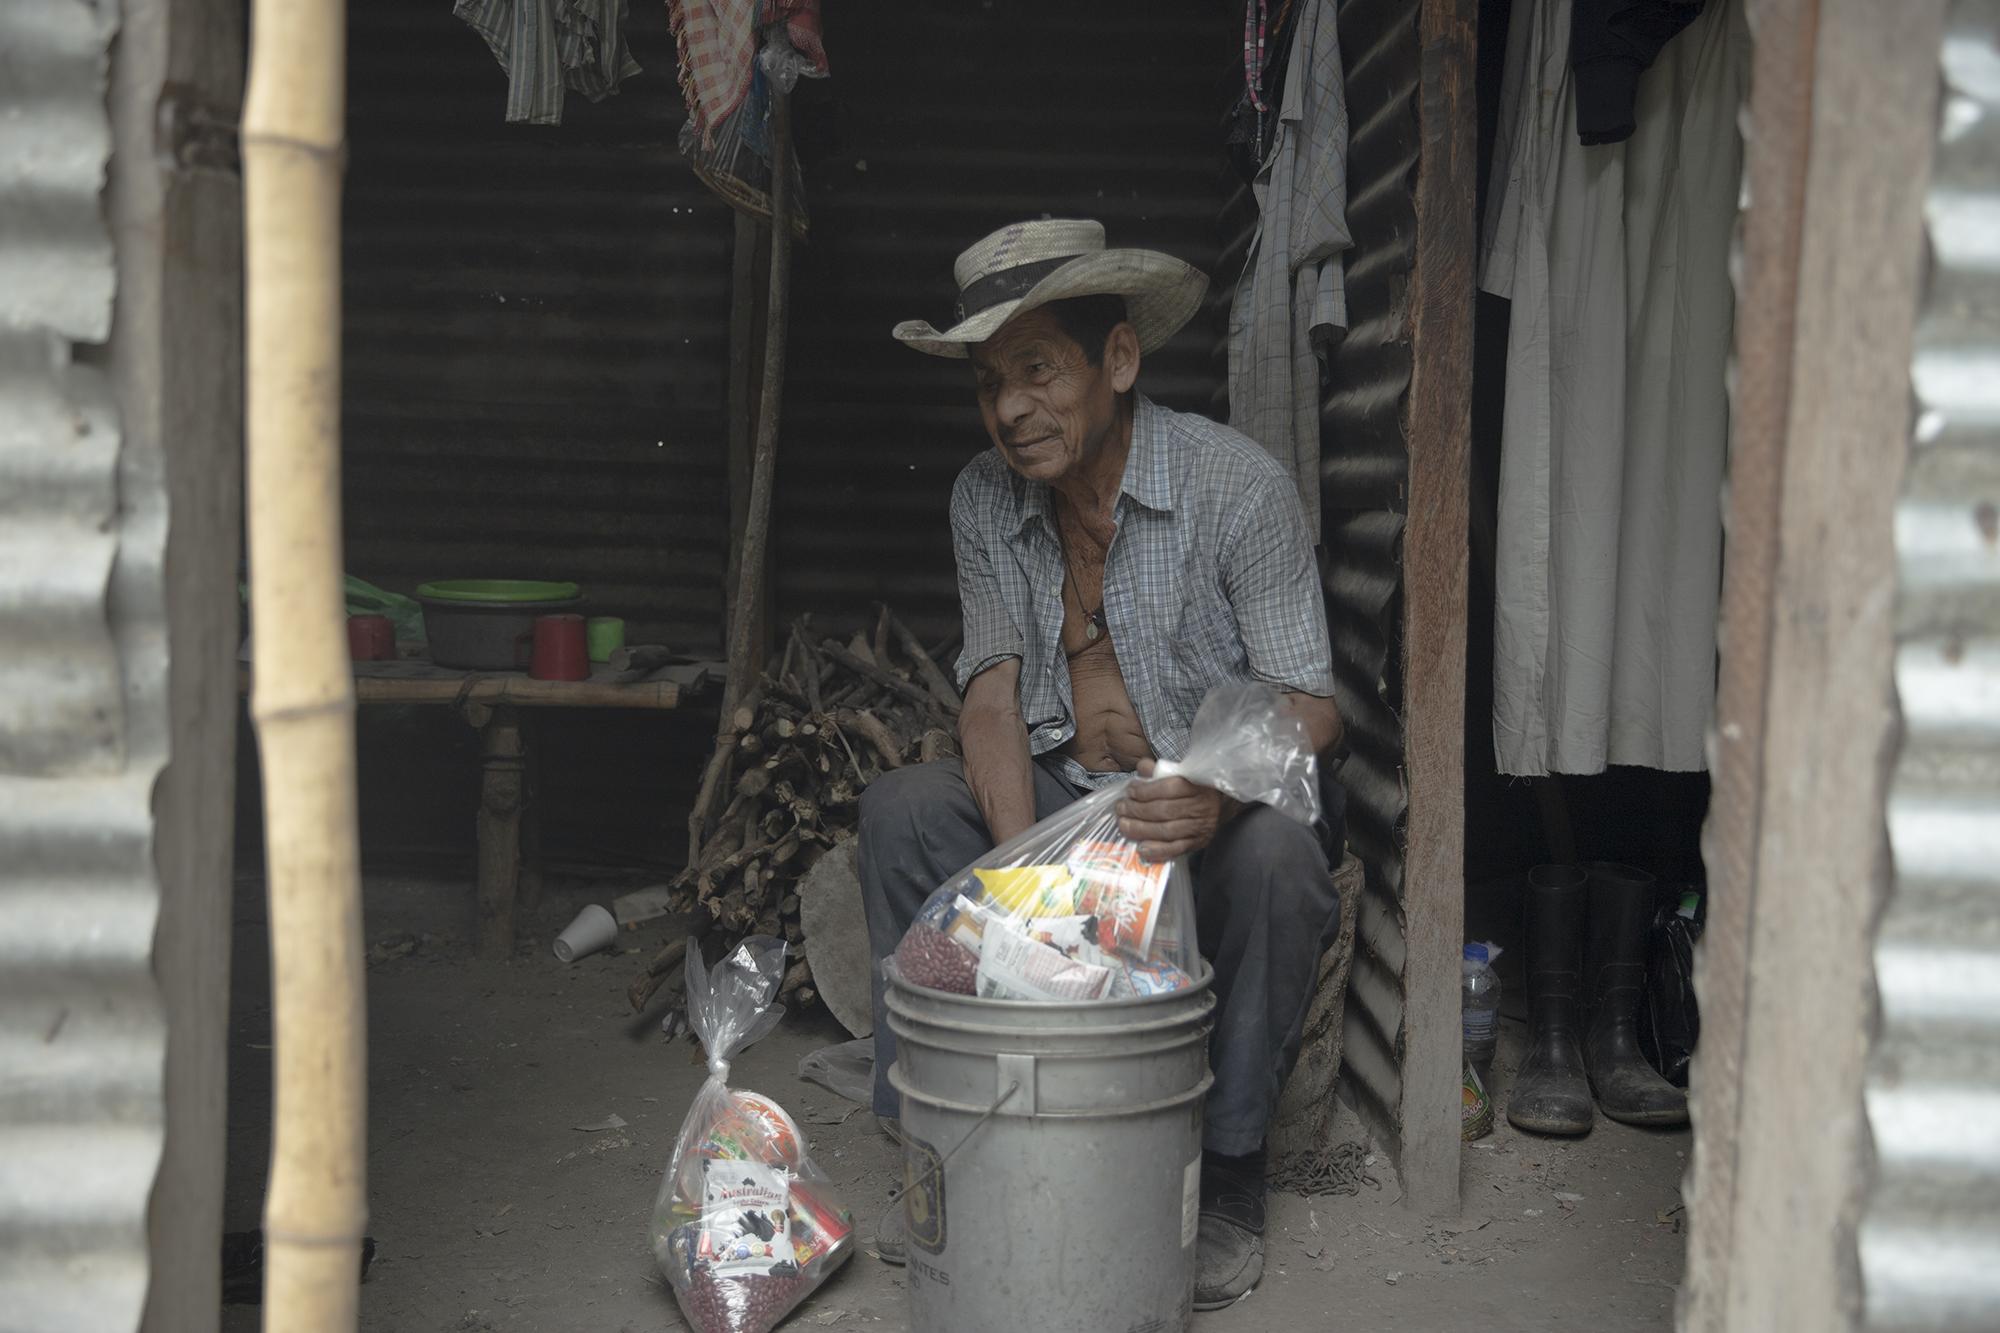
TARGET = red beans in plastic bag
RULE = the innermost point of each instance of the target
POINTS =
(744, 1303)
(929, 957)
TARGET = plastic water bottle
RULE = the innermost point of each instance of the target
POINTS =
(1479, 997)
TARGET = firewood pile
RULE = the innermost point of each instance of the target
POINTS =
(783, 786)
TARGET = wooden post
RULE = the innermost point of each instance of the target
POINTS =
(303, 699)
(748, 287)
(502, 798)
(745, 612)
(528, 891)
(1795, 842)
(1435, 562)
(176, 351)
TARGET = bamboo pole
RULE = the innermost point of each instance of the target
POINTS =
(303, 697)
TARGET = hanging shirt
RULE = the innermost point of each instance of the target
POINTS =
(548, 45)
(1210, 578)
(1292, 296)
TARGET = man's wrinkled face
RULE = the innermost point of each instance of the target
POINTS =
(1047, 409)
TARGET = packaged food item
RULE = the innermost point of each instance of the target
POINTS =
(1155, 977)
(1475, 1111)
(1017, 965)
(745, 1225)
(1070, 911)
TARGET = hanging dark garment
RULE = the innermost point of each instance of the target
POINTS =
(1611, 43)
(1250, 131)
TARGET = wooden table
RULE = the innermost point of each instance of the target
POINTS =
(491, 702)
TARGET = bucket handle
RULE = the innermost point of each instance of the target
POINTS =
(966, 1138)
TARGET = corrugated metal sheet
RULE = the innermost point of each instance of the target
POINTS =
(538, 318)
(1364, 466)
(82, 1040)
(537, 326)
(1930, 1236)
(1363, 471)
(940, 123)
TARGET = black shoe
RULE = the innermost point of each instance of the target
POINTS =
(1628, 1088)
(1228, 1263)
(1229, 1251)
(1551, 1094)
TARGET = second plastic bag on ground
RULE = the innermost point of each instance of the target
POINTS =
(1069, 911)
(746, 1225)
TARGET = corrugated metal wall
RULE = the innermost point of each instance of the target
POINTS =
(537, 320)
(1930, 1237)
(82, 715)
(1363, 472)
(538, 317)
(941, 122)
(1365, 460)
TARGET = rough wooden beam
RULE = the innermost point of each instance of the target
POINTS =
(1435, 563)
(1796, 843)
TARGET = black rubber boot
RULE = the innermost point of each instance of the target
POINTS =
(1551, 1094)
(1628, 1088)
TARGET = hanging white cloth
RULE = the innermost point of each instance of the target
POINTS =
(1292, 295)
(1616, 260)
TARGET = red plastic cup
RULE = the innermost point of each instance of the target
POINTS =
(561, 650)
(371, 639)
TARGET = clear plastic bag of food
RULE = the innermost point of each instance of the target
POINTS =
(1068, 911)
(746, 1225)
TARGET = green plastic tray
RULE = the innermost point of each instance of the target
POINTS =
(496, 590)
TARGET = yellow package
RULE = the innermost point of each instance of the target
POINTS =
(1028, 891)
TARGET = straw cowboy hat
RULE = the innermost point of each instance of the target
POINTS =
(1028, 264)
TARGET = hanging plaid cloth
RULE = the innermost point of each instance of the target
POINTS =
(1256, 17)
(727, 135)
(718, 40)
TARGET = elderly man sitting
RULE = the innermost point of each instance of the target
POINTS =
(1116, 561)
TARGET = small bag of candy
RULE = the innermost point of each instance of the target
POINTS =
(1069, 911)
(745, 1225)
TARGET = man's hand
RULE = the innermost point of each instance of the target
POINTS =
(1171, 817)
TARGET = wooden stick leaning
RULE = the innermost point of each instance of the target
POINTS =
(764, 458)
(661, 967)
(928, 671)
(302, 703)
(810, 664)
(745, 610)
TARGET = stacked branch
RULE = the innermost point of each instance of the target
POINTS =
(784, 784)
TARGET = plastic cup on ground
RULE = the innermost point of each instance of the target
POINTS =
(593, 929)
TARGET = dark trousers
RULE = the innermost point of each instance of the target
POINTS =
(1264, 905)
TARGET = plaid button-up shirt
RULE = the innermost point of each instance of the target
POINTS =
(1210, 578)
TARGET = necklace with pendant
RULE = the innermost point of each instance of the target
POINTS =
(1094, 626)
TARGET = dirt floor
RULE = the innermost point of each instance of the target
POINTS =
(499, 1203)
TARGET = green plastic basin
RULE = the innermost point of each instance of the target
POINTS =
(500, 591)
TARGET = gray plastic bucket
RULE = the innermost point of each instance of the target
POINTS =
(1053, 1163)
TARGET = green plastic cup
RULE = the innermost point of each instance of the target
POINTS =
(605, 635)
